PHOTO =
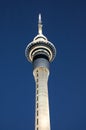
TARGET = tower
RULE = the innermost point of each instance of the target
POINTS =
(40, 52)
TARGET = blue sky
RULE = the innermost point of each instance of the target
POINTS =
(64, 24)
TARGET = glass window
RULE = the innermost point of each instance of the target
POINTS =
(37, 80)
(37, 113)
(37, 98)
(37, 121)
(37, 74)
(37, 85)
(37, 105)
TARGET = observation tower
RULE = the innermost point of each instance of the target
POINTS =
(41, 52)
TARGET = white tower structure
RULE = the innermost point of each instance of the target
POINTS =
(41, 52)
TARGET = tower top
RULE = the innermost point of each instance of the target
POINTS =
(39, 20)
(40, 46)
(39, 24)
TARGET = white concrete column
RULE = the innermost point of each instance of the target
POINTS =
(42, 118)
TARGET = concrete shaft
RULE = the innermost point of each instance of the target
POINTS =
(42, 118)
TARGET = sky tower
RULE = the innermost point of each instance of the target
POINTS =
(41, 52)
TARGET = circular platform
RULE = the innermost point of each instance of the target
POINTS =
(40, 47)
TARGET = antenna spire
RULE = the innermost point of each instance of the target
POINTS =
(39, 24)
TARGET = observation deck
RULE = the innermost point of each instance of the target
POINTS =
(40, 47)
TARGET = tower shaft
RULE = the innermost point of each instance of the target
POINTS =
(42, 118)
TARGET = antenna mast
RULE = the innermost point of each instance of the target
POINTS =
(39, 24)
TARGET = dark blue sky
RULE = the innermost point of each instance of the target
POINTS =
(65, 25)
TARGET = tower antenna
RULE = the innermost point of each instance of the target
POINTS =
(39, 24)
